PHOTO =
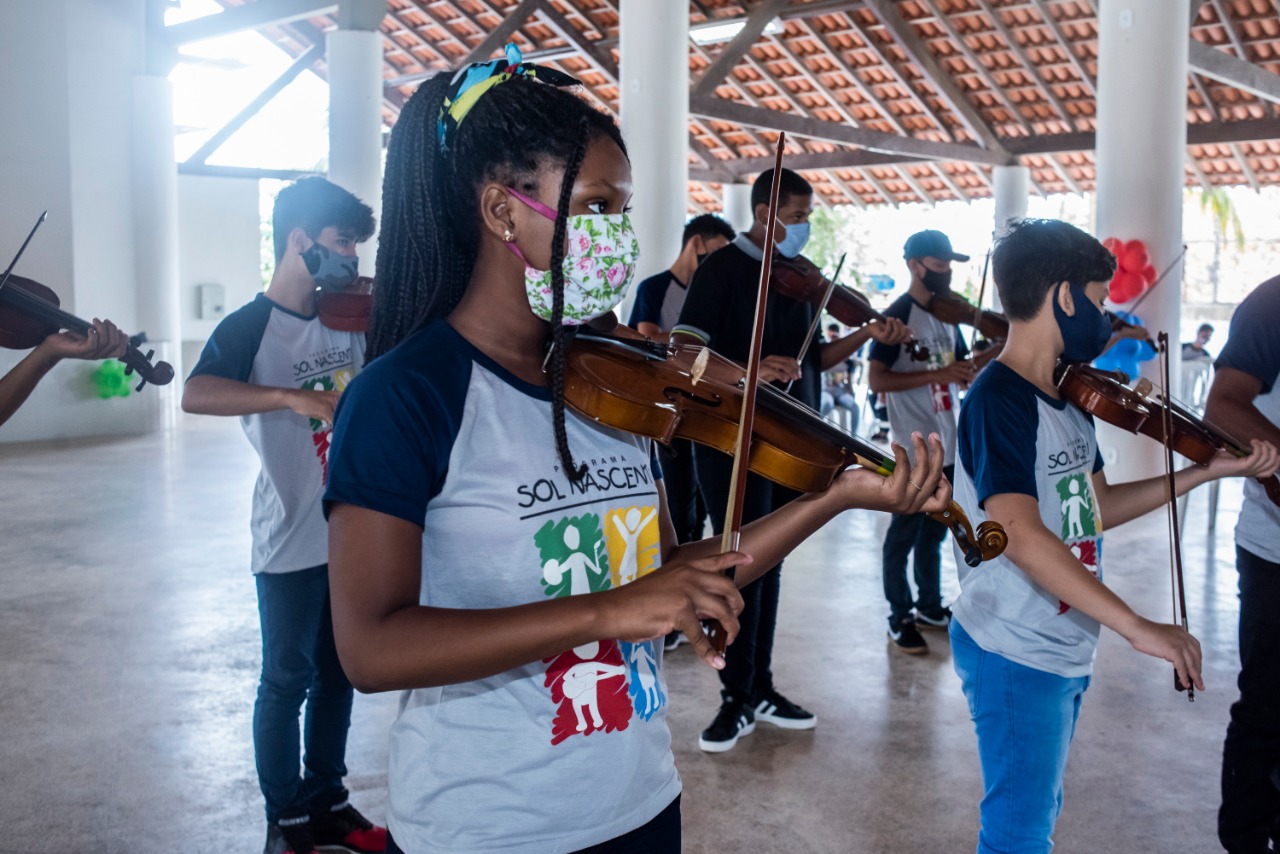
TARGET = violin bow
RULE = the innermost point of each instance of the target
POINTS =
(731, 536)
(1175, 538)
(23, 248)
(817, 317)
(977, 306)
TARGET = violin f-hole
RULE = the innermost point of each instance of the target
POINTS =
(671, 393)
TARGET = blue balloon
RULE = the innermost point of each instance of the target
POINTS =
(1125, 355)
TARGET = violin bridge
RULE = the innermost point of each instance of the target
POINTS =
(700, 363)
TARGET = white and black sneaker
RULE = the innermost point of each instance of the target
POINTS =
(907, 637)
(776, 709)
(674, 640)
(939, 619)
(733, 721)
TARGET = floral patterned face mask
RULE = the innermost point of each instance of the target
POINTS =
(598, 266)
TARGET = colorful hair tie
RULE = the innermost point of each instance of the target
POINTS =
(475, 79)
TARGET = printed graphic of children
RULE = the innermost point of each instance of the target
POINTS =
(579, 683)
(576, 564)
(629, 529)
(1072, 507)
(644, 674)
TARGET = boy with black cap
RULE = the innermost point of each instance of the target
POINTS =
(921, 397)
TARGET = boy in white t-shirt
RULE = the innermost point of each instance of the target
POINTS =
(1026, 624)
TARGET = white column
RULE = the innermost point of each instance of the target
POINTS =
(737, 205)
(654, 105)
(355, 121)
(155, 221)
(1141, 152)
(1011, 189)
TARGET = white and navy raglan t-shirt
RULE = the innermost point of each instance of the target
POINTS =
(928, 408)
(1254, 348)
(659, 299)
(558, 754)
(1014, 438)
(265, 344)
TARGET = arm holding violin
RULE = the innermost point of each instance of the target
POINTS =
(212, 395)
(1123, 502)
(104, 341)
(1048, 563)
(882, 379)
(1231, 401)
(890, 331)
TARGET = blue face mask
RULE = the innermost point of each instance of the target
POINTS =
(797, 237)
(1084, 334)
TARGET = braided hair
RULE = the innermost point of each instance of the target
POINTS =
(431, 220)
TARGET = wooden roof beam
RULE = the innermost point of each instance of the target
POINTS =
(1228, 24)
(732, 111)
(603, 59)
(1042, 6)
(1029, 67)
(264, 13)
(1239, 73)
(905, 174)
(501, 34)
(852, 75)
(724, 64)
(939, 79)
(1243, 160)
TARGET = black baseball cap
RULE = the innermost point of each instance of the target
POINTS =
(931, 244)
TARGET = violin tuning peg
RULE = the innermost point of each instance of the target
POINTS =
(140, 385)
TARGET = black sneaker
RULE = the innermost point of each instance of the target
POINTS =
(342, 828)
(907, 637)
(776, 709)
(939, 619)
(733, 721)
(290, 836)
(674, 640)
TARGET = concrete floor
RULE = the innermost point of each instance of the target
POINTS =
(129, 653)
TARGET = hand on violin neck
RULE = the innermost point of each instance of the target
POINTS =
(104, 340)
(1262, 461)
(909, 489)
(783, 369)
(677, 598)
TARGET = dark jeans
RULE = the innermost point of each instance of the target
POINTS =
(688, 513)
(1250, 813)
(748, 671)
(299, 664)
(659, 836)
(920, 534)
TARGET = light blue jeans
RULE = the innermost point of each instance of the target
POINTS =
(1025, 719)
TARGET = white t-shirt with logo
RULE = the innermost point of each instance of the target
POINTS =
(1013, 438)
(266, 344)
(555, 755)
(927, 408)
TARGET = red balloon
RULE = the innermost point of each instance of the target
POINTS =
(1148, 274)
(1134, 257)
(1113, 245)
(1125, 286)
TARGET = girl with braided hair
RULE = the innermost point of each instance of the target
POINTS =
(515, 588)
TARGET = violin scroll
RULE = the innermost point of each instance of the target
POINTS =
(989, 542)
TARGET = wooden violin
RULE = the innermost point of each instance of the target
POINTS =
(1142, 410)
(950, 307)
(801, 279)
(349, 309)
(660, 391)
(29, 313)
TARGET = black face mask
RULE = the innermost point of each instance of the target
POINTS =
(700, 257)
(935, 282)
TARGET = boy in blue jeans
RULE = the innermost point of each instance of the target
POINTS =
(1026, 625)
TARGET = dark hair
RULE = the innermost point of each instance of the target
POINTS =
(790, 185)
(431, 207)
(706, 225)
(1034, 255)
(314, 204)
(1204, 327)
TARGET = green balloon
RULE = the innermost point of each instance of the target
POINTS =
(110, 381)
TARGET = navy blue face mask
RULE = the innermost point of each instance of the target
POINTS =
(1084, 334)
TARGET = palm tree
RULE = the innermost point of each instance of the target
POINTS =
(1217, 203)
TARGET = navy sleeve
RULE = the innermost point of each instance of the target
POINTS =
(703, 309)
(234, 343)
(648, 304)
(888, 353)
(996, 439)
(962, 349)
(1254, 345)
(392, 437)
(655, 466)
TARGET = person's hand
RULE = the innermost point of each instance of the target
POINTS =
(889, 331)
(1172, 643)
(677, 598)
(909, 489)
(1263, 460)
(781, 369)
(103, 340)
(317, 404)
(961, 372)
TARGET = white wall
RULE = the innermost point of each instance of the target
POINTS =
(218, 243)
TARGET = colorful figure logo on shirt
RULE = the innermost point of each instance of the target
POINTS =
(645, 689)
(633, 542)
(321, 433)
(941, 392)
(1076, 496)
(1086, 551)
(573, 558)
(589, 685)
